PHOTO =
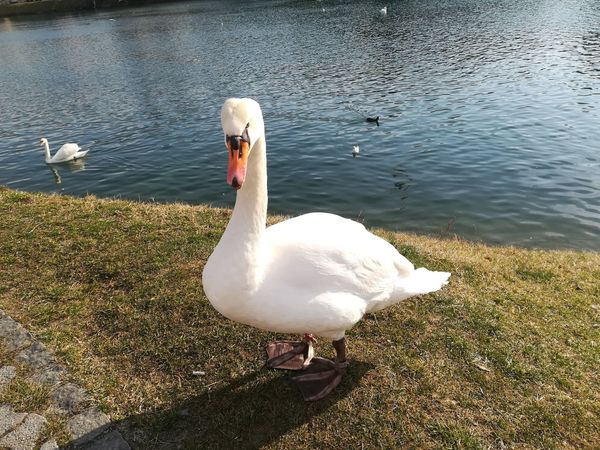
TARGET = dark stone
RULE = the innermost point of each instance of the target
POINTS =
(87, 426)
(110, 441)
(69, 398)
(51, 374)
(35, 356)
(15, 336)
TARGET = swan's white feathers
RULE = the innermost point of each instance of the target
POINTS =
(317, 273)
(325, 252)
(239, 113)
(333, 255)
(66, 152)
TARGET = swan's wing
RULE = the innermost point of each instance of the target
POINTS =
(66, 152)
(321, 252)
(322, 273)
(80, 154)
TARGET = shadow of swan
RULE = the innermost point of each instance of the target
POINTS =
(247, 413)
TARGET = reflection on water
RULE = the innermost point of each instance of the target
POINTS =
(76, 165)
(489, 111)
(6, 24)
(590, 54)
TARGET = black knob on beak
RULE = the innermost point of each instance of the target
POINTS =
(234, 142)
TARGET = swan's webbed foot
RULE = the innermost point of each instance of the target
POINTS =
(323, 375)
(290, 355)
(321, 378)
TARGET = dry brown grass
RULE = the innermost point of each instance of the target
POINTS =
(505, 356)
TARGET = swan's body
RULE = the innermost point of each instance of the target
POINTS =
(355, 151)
(384, 10)
(67, 152)
(317, 273)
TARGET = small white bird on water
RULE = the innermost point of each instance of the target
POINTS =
(383, 10)
(67, 152)
(355, 151)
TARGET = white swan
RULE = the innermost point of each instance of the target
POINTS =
(67, 152)
(355, 150)
(384, 10)
(317, 273)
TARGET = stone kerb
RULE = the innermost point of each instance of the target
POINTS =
(87, 426)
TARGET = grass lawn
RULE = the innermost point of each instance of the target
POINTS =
(506, 355)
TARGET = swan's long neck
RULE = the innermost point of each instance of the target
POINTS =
(250, 211)
(47, 150)
(243, 236)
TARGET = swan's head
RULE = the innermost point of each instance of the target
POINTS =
(242, 122)
(43, 141)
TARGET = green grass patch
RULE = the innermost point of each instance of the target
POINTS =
(454, 436)
(25, 395)
(505, 356)
(541, 276)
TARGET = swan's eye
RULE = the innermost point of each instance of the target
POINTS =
(245, 135)
(234, 139)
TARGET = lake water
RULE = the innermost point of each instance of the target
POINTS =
(489, 109)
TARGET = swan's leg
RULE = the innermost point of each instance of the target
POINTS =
(340, 350)
(291, 355)
(323, 375)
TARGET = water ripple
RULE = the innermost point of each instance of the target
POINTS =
(489, 110)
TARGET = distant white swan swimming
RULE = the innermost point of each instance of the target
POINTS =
(383, 10)
(67, 152)
(355, 151)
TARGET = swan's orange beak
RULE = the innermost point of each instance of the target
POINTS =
(238, 158)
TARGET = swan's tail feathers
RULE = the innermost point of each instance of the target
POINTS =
(80, 154)
(421, 281)
(417, 282)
